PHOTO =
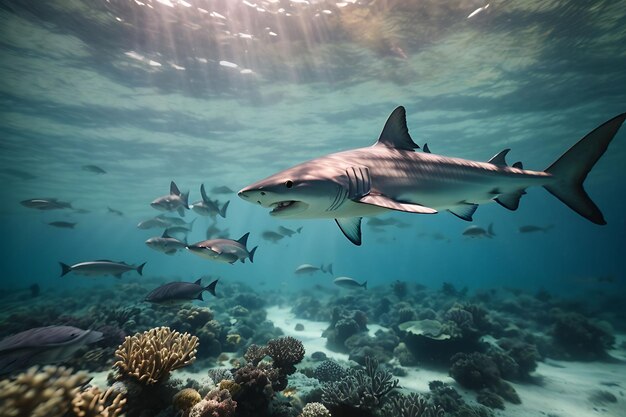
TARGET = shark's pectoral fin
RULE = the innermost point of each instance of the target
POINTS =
(388, 203)
(181, 212)
(464, 211)
(351, 228)
(510, 200)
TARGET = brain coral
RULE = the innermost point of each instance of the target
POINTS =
(151, 356)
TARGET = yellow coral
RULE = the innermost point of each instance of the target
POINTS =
(40, 393)
(95, 403)
(151, 356)
(185, 399)
(230, 385)
(233, 338)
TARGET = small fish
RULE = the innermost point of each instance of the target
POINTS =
(180, 292)
(174, 201)
(23, 175)
(224, 250)
(271, 236)
(186, 228)
(208, 207)
(81, 211)
(113, 211)
(221, 190)
(377, 222)
(43, 345)
(172, 221)
(349, 283)
(311, 269)
(288, 232)
(154, 223)
(213, 232)
(529, 228)
(477, 231)
(93, 168)
(46, 204)
(101, 267)
(166, 244)
(63, 225)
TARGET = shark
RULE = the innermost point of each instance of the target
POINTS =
(391, 176)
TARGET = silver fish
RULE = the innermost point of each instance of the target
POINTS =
(208, 207)
(224, 250)
(93, 168)
(174, 201)
(271, 236)
(101, 267)
(154, 223)
(390, 175)
(43, 345)
(180, 292)
(309, 269)
(214, 232)
(529, 228)
(349, 283)
(166, 244)
(46, 204)
(221, 190)
(113, 211)
(63, 225)
(288, 232)
(477, 231)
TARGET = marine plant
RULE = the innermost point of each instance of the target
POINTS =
(150, 356)
(94, 403)
(45, 392)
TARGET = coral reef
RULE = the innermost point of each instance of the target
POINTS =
(46, 392)
(217, 403)
(185, 399)
(95, 403)
(329, 371)
(412, 405)
(149, 357)
(315, 410)
(580, 338)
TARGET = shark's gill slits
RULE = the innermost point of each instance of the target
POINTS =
(340, 198)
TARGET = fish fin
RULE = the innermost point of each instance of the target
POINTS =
(174, 189)
(205, 197)
(211, 288)
(244, 239)
(140, 268)
(364, 285)
(571, 169)
(351, 228)
(185, 197)
(426, 149)
(198, 281)
(518, 165)
(510, 200)
(395, 134)
(104, 260)
(165, 235)
(465, 211)
(65, 269)
(170, 252)
(359, 182)
(299, 229)
(329, 269)
(499, 159)
(391, 204)
(181, 211)
(223, 209)
(251, 254)
(199, 297)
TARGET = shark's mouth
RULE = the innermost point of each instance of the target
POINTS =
(287, 207)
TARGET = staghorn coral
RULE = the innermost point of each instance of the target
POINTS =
(95, 403)
(285, 352)
(412, 405)
(217, 403)
(46, 392)
(185, 400)
(315, 410)
(151, 356)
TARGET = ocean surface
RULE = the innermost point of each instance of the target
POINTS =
(227, 92)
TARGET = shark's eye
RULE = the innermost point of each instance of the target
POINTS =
(289, 184)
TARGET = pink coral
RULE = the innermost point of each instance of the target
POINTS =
(217, 403)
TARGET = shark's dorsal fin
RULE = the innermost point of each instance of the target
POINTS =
(205, 197)
(395, 134)
(391, 204)
(244, 239)
(174, 189)
(359, 182)
(198, 281)
(425, 148)
(351, 228)
(464, 211)
(165, 235)
(499, 158)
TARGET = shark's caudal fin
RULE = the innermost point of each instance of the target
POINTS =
(571, 169)
(211, 288)
(251, 254)
(223, 209)
(140, 268)
(65, 268)
(205, 197)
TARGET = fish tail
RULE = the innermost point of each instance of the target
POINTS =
(329, 269)
(65, 268)
(364, 285)
(211, 287)
(140, 268)
(185, 198)
(571, 169)
(223, 209)
(251, 254)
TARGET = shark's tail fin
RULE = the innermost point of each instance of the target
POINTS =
(571, 169)
(140, 268)
(251, 256)
(185, 197)
(65, 268)
(211, 288)
(223, 209)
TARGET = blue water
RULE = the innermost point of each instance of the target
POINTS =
(138, 89)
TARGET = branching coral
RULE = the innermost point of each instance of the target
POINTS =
(40, 393)
(217, 403)
(95, 403)
(285, 352)
(151, 356)
(412, 405)
(315, 410)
